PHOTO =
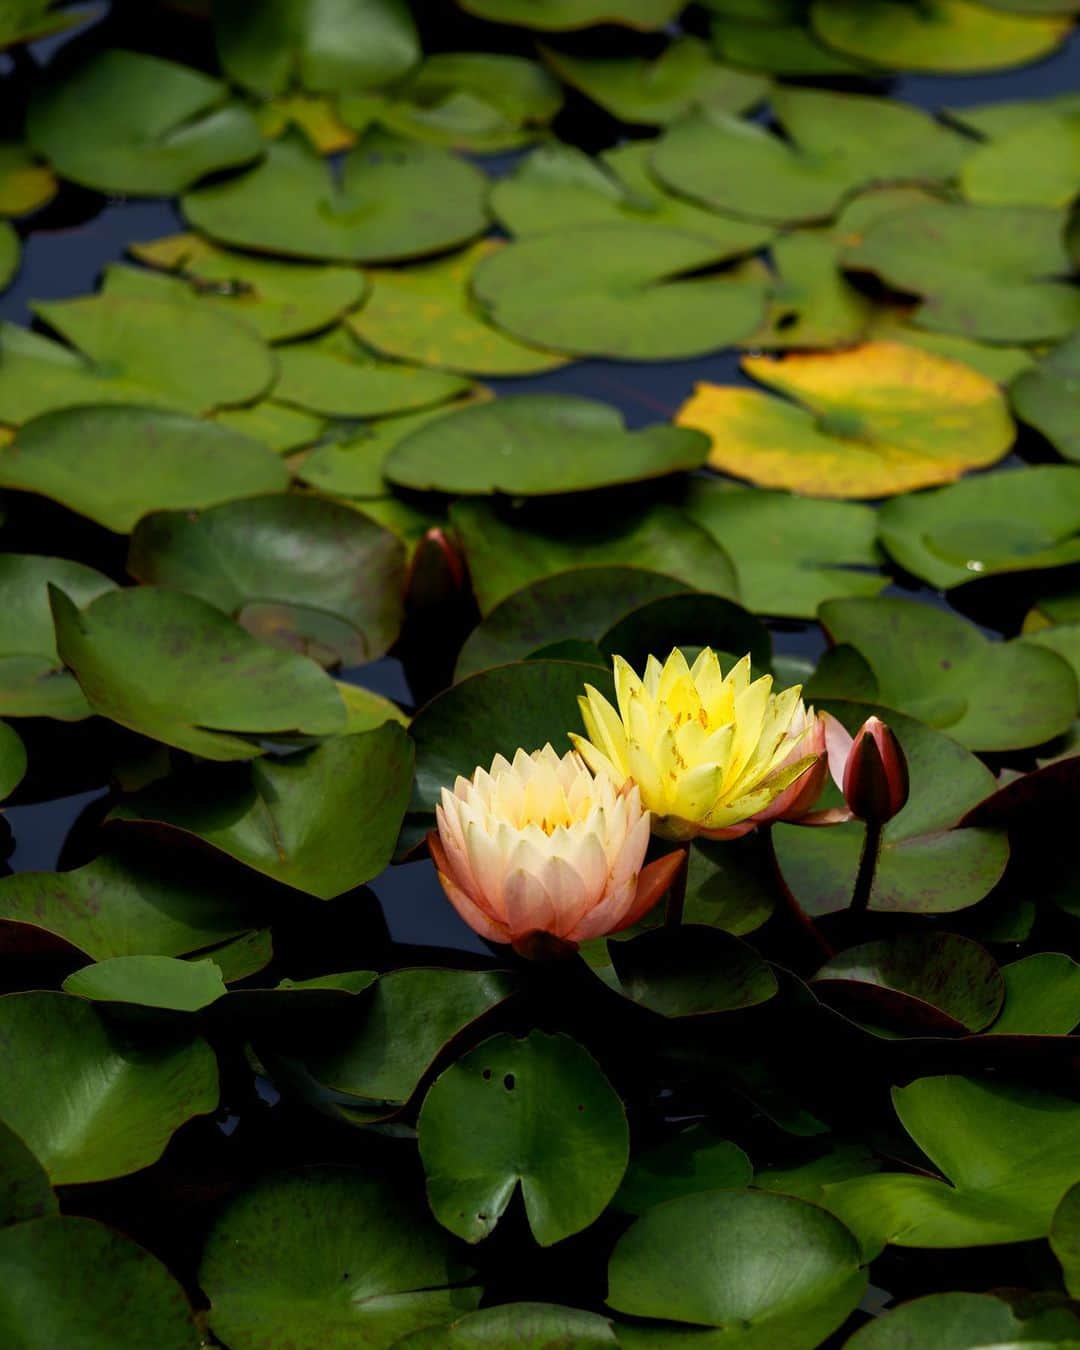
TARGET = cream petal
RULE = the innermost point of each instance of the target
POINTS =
(473, 915)
(605, 917)
(528, 905)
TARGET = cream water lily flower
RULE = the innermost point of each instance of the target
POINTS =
(541, 854)
(712, 754)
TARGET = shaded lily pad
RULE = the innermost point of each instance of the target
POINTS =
(26, 184)
(810, 304)
(12, 760)
(781, 49)
(330, 1256)
(149, 982)
(127, 122)
(89, 1101)
(836, 143)
(25, 1191)
(1048, 398)
(567, 14)
(1006, 522)
(938, 667)
(299, 572)
(535, 1325)
(538, 445)
(395, 199)
(10, 252)
(426, 314)
(693, 1160)
(279, 428)
(1042, 996)
(688, 621)
(176, 669)
(766, 1269)
(875, 420)
(964, 1322)
(1038, 164)
(1065, 1238)
(324, 820)
(313, 115)
(790, 554)
(992, 272)
(39, 18)
(538, 1112)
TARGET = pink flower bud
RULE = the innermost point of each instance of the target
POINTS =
(875, 782)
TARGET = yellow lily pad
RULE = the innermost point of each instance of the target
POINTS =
(25, 182)
(875, 420)
(312, 114)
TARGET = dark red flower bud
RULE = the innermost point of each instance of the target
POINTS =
(436, 571)
(876, 773)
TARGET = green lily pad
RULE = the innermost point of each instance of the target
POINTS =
(998, 362)
(12, 760)
(938, 667)
(322, 48)
(425, 314)
(941, 36)
(279, 428)
(1048, 398)
(149, 982)
(964, 1322)
(91, 1102)
(763, 1269)
(731, 884)
(538, 445)
(510, 549)
(610, 290)
(693, 1160)
(991, 272)
(655, 92)
(395, 199)
(537, 1326)
(1008, 1152)
(10, 253)
(278, 299)
(1065, 1237)
(560, 187)
(25, 1192)
(992, 121)
(1022, 521)
(30, 19)
(835, 144)
(331, 1257)
(568, 14)
(131, 123)
(915, 983)
(810, 304)
(790, 554)
(782, 49)
(536, 1111)
(926, 865)
(687, 621)
(1042, 996)
(73, 1282)
(176, 669)
(299, 572)
(26, 184)
(1036, 165)
(808, 1180)
(323, 821)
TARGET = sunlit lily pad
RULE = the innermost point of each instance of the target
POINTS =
(1042, 996)
(943, 36)
(1022, 521)
(811, 304)
(26, 184)
(299, 572)
(837, 143)
(127, 122)
(605, 290)
(279, 428)
(781, 49)
(538, 445)
(94, 461)
(323, 48)
(965, 1322)
(876, 420)
(149, 982)
(395, 199)
(996, 361)
(1036, 165)
(567, 14)
(1001, 118)
(426, 314)
(988, 272)
(1048, 398)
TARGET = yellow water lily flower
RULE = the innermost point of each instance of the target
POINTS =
(712, 754)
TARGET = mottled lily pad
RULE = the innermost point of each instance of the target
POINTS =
(1048, 398)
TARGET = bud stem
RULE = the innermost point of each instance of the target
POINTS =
(864, 878)
(676, 898)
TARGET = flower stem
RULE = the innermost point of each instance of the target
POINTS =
(676, 897)
(864, 878)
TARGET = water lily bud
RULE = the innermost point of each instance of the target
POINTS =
(875, 782)
(713, 754)
(540, 854)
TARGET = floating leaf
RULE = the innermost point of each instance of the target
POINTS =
(10, 252)
(313, 115)
(766, 1269)
(91, 1102)
(567, 14)
(811, 304)
(1065, 1237)
(782, 49)
(1042, 996)
(279, 428)
(1021, 521)
(878, 419)
(330, 1257)
(964, 1322)
(992, 121)
(1036, 165)
(299, 572)
(526, 1324)
(94, 461)
(730, 884)
(689, 971)
(693, 1160)
(131, 123)
(324, 820)
(688, 621)
(31, 19)
(536, 1111)
(26, 184)
(395, 199)
(12, 760)
(1048, 398)
(998, 362)
(149, 982)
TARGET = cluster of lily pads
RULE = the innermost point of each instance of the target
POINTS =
(289, 437)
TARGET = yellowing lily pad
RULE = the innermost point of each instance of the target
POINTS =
(1038, 164)
(25, 182)
(996, 361)
(426, 314)
(875, 420)
(567, 14)
(1048, 398)
(313, 115)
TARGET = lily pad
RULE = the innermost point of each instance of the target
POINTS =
(1036, 165)
(149, 982)
(991, 272)
(301, 573)
(91, 1102)
(943, 36)
(314, 116)
(538, 445)
(25, 1192)
(992, 121)
(835, 144)
(395, 199)
(1042, 996)
(26, 184)
(938, 667)
(323, 821)
(810, 304)
(790, 554)
(278, 299)
(10, 253)
(323, 48)
(131, 123)
(12, 760)
(998, 362)
(1048, 398)
(603, 290)
(536, 1111)
(1065, 1237)
(1022, 521)
(332, 1257)
(964, 1322)
(655, 92)
(693, 1160)
(568, 14)
(535, 1325)
(765, 1269)
(279, 428)
(789, 50)
(32, 19)
(875, 420)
